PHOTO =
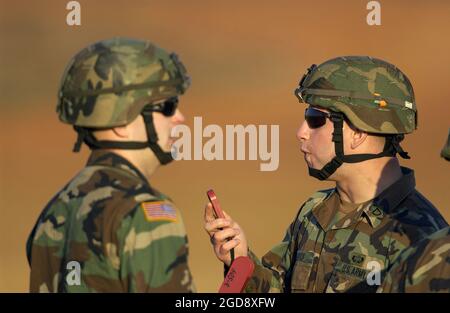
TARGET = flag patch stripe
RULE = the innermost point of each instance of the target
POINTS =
(159, 211)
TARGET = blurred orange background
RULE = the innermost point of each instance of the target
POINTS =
(245, 59)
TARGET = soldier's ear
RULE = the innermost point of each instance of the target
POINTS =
(357, 138)
(353, 137)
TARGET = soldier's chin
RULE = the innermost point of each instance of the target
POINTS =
(168, 147)
(169, 144)
(174, 153)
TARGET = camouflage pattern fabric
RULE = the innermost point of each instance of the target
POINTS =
(108, 83)
(373, 94)
(424, 267)
(126, 236)
(316, 256)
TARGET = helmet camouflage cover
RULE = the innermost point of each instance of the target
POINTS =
(108, 83)
(375, 96)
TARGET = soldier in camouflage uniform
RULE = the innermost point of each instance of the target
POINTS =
(424, 267)
(121, 97)
(345, 238)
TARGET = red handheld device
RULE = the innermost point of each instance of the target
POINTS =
(241, 268)
(215, 204)
(238, 275)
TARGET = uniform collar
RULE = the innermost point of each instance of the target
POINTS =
(390, 198)
(373, 211)
(110, 159)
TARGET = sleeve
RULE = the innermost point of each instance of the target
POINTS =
(45, 247)
(154, 249)
(423, 267)
(270, 272)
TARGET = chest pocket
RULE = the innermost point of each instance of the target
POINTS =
(361, 273)
(302, 271)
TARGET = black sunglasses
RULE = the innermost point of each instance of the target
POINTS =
(316, 118)
(167, 108)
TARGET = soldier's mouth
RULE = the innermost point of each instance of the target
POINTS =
(306, 157)
(171, 141)
(302, 149)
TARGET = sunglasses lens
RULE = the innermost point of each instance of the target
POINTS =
(169, 107)
(315, 118)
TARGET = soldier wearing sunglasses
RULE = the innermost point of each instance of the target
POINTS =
(344, 239)
(121, 96)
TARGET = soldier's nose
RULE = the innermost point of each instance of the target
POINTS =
(178, 117)
(303, 131)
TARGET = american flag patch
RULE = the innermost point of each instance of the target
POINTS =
(156, 211)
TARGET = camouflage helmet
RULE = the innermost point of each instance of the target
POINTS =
(108, 83)
(375, 96)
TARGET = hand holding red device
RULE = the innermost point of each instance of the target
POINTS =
(242, 268)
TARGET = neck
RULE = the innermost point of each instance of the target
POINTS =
(145, 163)
(367, 179)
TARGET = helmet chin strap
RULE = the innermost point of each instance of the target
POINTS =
(163, 157)
(391, 148)
(85, 135)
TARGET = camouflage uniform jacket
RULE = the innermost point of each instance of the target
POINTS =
(126, 236)
(317, 256)
(425, 267)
